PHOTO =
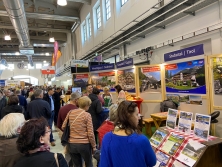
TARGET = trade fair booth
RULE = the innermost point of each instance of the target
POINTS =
(190, 79)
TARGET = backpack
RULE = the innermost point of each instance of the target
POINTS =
(166, 104)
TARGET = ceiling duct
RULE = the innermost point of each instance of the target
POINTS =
(16, 12)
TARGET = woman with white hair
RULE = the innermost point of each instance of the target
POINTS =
(10, 127)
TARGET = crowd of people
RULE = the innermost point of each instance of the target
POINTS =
(27, 117)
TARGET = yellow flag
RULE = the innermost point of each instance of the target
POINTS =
(53, 60)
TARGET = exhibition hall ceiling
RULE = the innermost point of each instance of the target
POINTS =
(45, 19)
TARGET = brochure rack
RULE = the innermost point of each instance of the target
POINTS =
(210, 156)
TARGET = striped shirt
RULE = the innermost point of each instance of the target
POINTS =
(81, 130)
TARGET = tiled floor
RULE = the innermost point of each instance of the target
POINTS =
(59, 148)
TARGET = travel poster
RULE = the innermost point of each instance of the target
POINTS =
(202, 126)
(185, 122)
(81, 80)
(150, 79)
(186, 77)
(162, 159)
(178, 164)
(196, 100)
(191, 152)
(126, 79)
(104, 79)
(171, 118)
(172, 144)
(217, 75)
(158, 137)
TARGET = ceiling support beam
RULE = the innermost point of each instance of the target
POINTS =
(88, 2)
(39, 29)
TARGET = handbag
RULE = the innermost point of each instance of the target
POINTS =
(66, 132)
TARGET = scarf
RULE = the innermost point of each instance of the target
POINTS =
(44, 147)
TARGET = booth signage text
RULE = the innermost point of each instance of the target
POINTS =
(184, 53)
(102, 67)
(125, 63)
(80, 63)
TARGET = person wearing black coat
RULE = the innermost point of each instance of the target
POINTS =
(95, 109)
(3, 102)
(12, 106)
(57, 104)
(50, 99)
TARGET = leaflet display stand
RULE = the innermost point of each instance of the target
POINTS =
(209, 156)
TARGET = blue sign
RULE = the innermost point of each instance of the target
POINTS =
(124, 63)
(184, 53)
(102, 67)
(2, 82)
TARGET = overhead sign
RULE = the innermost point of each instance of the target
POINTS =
(184, 53)
(80, 63)
(48, 70)
(2, 82)
(124, 63)
(102, 67)
(12, 83)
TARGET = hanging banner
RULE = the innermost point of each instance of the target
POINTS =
(124, 63)
(48, 70)
(150, 79)
(186, 77)
(126, 79)
(102, 67)
(56, 47)
(97, 59)
(81, 80)
(184, 53)
(217, 75)
(104, 79)
(80, 63)
(12, 83)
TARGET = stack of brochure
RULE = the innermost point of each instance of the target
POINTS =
(158, 137)
(172, 144)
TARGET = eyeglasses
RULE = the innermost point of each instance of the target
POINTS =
(48, 131)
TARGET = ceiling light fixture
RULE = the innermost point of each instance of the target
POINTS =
(7, 37)
(51, 39)
(47, 54)
(44, 61)
(62, 2)
(17, 53)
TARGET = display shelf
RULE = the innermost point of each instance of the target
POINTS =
(210, 155)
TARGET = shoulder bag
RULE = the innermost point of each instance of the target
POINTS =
(66, 132)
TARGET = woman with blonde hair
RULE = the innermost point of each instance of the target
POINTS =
(81, 140)
(10, 127)
(107, 96)
(29, 98)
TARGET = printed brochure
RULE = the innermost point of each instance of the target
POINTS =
(171, 118)
(191, 152)
(185, 122)
(202, 126)
(172, 144)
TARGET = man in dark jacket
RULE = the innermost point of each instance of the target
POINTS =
(51, 101)
(22, 100)
(95, 109)
(3, 102)
(57, 104)
(38, 107)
